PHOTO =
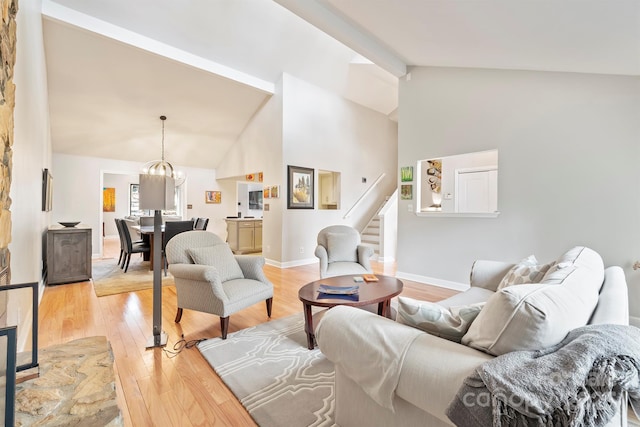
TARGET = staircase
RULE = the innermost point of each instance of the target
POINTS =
(370, 236)
(381, 231)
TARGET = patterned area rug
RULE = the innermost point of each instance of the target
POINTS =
(110, 279)
(275, 377)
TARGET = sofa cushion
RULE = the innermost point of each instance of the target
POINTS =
(449, 323)
(219, 256)
(472, 295)
(538, 315)
(342, 247)
(526, 271)
(574, 258)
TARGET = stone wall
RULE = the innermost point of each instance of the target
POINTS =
(8, 8)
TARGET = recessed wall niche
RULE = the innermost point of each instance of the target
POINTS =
(329, 190)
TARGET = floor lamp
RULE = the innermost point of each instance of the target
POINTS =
(157, 193)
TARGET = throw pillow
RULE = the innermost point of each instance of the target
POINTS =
(220, 257)
(578, 256)
(450, 323)
(526, 271)
(342, 247)
(538, 315)
(558, 273)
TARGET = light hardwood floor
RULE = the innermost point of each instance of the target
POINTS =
(155, 389)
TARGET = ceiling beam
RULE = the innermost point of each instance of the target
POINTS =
(340, 29)
(56, 12)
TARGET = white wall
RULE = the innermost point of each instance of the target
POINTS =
(121, 183)
(77, 194)
(259, 148)
(324, 131)
(568, 167)
(32, 146)
(31, 154)
(201, 180)
(303, 125)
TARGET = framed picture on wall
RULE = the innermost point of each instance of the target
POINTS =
(212, 196)
(47, 190)
(406, 192)
(406, 173)
(108, 199)
(300, 188)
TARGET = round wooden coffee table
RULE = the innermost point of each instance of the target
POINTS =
(379, 292)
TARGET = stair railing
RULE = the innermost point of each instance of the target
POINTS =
(387, 217)
(364, 196)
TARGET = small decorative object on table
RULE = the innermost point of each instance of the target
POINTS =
(370, 278)
(69, 224)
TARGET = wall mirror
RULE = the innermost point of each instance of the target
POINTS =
(460, 185)
(329, 189)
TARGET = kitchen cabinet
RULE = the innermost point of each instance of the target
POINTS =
(244, 235)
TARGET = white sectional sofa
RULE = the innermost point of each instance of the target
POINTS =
(577, 290)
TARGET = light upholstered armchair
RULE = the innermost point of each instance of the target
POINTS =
(340, 252)
(211, 279)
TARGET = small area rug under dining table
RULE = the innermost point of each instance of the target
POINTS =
(276, 378)
(109, 279)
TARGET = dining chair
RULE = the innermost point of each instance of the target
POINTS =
(136, 237)
(131, 247)
(172, 228)
(121, 236)
(201, 224)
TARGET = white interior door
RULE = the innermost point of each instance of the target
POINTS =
(477, 191)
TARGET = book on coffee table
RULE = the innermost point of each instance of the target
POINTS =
(351, 297)
(338, 290)
(370, 278)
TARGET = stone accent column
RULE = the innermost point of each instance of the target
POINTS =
(8, 9)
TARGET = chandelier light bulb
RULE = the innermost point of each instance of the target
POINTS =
(162, 167)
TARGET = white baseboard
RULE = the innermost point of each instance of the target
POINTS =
(290, 264)
(433, 281)
(634, 321)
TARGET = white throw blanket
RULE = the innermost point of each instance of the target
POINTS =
(377, 365)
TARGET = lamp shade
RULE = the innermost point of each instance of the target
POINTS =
(157, 192)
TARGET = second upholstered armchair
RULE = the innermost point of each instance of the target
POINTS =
(340, 252)
(211, 279)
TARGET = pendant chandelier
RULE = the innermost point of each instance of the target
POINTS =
(162, 167)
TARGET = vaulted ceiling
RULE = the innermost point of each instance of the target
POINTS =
(114, 67)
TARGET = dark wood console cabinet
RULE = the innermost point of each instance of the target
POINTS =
(68, 254)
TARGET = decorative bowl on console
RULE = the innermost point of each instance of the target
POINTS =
(69, 224)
